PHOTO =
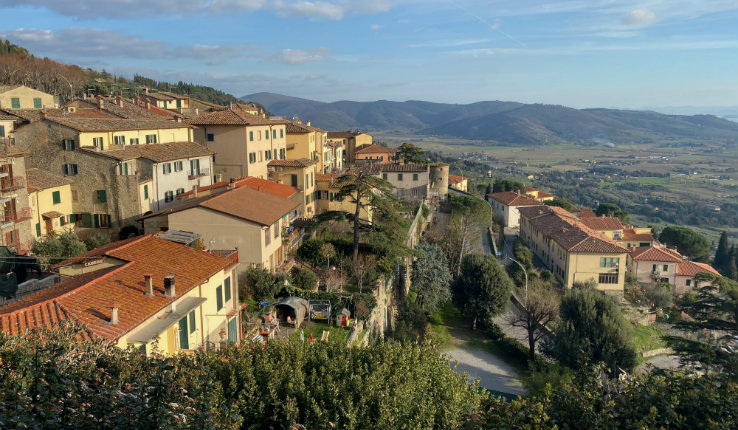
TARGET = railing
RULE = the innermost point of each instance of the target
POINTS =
(199, 173)
(6, 141)
(19, 215)
(655, 273)
(12, 184)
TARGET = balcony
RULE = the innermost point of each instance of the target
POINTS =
(12, 184)
(199, 173)
(20, 215)
(656, 273)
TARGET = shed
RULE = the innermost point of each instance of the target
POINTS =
(343, 318)
(293, 308)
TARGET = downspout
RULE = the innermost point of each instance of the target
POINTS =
(202, 322)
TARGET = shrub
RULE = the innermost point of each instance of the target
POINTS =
(127, 231)
(260, 284)
(304, 279)
(658, 295)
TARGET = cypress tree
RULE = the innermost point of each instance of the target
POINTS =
(723, 254)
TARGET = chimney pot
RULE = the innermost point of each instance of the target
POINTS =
(148, 104)
(197, 111)
(169, 289)
(100, 102)
(114, 314)
(149, 285)
(194, 191)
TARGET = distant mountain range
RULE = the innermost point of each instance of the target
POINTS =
(506, 122)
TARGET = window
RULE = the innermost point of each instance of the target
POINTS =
(307, 180)
(384, 176)
(184, 340)
(69, 169)
(101, 196)
(74, 195)
(276, 229)
(68, 144)
(608, 278)
(252, 157)
(267, 237)
(179, 103)
(38, 234)
(282, 154)
(166, 168)
(123, 169)
(15, 103)
(399, 176)
(2, 131)
(227, 288)
(251, 136)
(260, 159)
(281, 132)
(133, 141)
(293, 180)
(415, 176)
(666, 268)
(267, 155)
(168, 196)
(274, 134)
(37, 103)
(654, 269)
(98, 142)
(312, 179)
(146, 191)
(178, 166)
(104, 221)
(150, 138)
(180, 191)
(275, 154)
(211, 137)
(194, 167)
(609, 262)
(85, 220)
(219, 296)
(689, 281)
(119, 140)
(193, 323)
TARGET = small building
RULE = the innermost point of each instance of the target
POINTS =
(23, 97)
(411, 181)
(609, 226)
(506, 205)
(686, 273)
(292, 310)
(299, 174)
(538, 195)
(349, 140)
(458, 182)
(374, 154)
(50, 198)
(328, 197)
(651, 264)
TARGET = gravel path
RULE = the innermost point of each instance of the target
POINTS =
(493, 373)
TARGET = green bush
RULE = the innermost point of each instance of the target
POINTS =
(304, 279)
(260, 284)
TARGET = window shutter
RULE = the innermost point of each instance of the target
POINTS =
(227, 287)
(219, 296)
(38, 232)
(56, 197)
(97, 220)
(101, 196)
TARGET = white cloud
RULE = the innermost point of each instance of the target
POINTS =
(375, 27)
(86, 43)
(301, 56)
(639, 17)
(308, 9)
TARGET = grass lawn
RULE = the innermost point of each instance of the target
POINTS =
(646, 338)
(440, 321)
(337, 334)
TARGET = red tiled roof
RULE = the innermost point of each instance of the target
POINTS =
(602, 223)
(374, 149)
(40, 179)
(88, 298)
(630, 234)
(344, 134)
(511, 198)
(157, 153)
(585, 213)
(530, 190)
(231, 117)
(654, 253)
(252, 205)
(691, 268)
(294, 127)
(542, 195)
(302, 162)
(456, 179)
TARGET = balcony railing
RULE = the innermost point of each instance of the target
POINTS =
(12, 184)
(199, 173)
(19, 215)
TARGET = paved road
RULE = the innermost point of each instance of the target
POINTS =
(493, 373)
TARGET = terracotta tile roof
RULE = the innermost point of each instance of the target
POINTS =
(691, 268)
(344, 134)
(264, 185)
(158, 152)
(396, 167)
(39, 179)
(456, 179)
(333, 178)
(293, 127)
(33, 115)
(165, 96)
(111, 106)
(87, 124)
(630, 234)
(52, 214)
(232, 117)
(563, 228)
(301, 162)
(7, 116)
(542, 195)
(655, 253)
(252, 205)
(375, 149)
(90, 302)
(511, 198)
(602, 223)
(530, 190)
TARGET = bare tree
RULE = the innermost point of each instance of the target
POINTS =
(542, 307)
(362, 267)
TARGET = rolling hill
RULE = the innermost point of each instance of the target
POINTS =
(506, 122)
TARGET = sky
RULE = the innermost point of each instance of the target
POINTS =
(578, 53)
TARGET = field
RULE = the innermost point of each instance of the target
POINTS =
(659, 184)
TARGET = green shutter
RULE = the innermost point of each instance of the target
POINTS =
(184, 339)
(56, 197)
(227, 286)
(102, 196)
(2, 131)
(72, 218)
(146, 192)
(61, 221)
(233, 330)
(15, 103)
(179, 103)
(85, 220)
(97, 220)
(38, 231)
(37, 103)
(192, 321)
(219, 297)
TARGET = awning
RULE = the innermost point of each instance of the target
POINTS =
(52, 215)
(150, 331)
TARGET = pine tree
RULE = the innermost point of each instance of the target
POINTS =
(722, 254)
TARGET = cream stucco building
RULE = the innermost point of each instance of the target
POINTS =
(23, 97)
(507, 204)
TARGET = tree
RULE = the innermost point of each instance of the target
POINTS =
(431, 277)
(483, 288)
(304, 279)
(722, 254)
(502, 185)
(686, 241)
(56, 247)
(592, 329)
(489, 188)
(364, 268)
(260, 284)
(562, 203)
(612, 210)
(328, 251)
(467, 214)
(658, 294)
(97, 240)
(410, 153)
(540, 308)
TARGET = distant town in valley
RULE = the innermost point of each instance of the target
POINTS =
(174, 256)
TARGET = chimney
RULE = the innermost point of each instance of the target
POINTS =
(148, 104)
(44, 114)
(169, 290)
(146, 90)
(114, 313)
(100, 102)
(120, 101)
(308, 123)
(232, 184)
(231, 105)
(149, 280)
(177, 118)
(197, 111)
(194, 191)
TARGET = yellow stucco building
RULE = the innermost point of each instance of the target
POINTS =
(50, 197)
(23, 97)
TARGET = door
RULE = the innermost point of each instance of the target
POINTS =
(233, 330)
(184, 339)
(49, 226)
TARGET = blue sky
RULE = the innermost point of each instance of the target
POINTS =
(578, 53)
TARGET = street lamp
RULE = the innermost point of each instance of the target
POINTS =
(71, 87)
(525, 272)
